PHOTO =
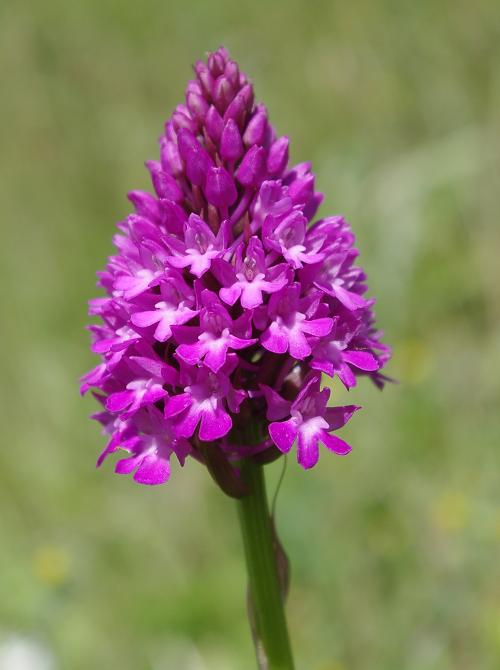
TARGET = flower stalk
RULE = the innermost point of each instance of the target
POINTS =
(265, 589)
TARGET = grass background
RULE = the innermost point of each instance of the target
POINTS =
(395, 549)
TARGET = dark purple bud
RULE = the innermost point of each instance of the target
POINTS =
(172, 216)
(231, 146)
(170, 132)
(145, 204)
(223, 52)
(181, 120)
(269, 194)
(170, 159)
(278, 156)
(301, 189)
(187, 143)
(312, 205)
(251, 168)
(197, 105)
(194, 87)
(196, 159)
(256, 129)
(247, 93)
(197, 165)
(216, 64)
(164, 185)
(205, 78)
(232, 73)
(219, 187)
(240, 106)
(223, 93)
(214, 124)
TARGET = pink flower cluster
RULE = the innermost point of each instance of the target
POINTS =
(224, 303)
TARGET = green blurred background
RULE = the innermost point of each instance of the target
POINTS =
(395, 549)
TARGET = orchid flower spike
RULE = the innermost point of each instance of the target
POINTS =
(227, 299)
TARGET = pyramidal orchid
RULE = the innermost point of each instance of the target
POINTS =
(225, 302)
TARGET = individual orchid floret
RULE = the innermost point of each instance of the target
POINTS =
(336, 275)
(292, 328)
(205, 401)
(152, 449)
(138, 393)
(343, 352)
(135, 276)
(250, 278)
(215, 337)
(173, 309)
(200, 247)
(273, 201)
(108, 340)
(220, 189)
(151, 374)
(288, 236)
(312, 422)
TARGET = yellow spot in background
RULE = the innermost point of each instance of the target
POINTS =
(451, 512)
(414, 360)
(51, 565)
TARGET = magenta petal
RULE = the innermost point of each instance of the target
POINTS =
(152, 471)
(325, 366)
(185, 423)
(350, 300)
(283, 434)
(363, 360)
(299, 346)
(346, 376)
(127, 465)
(179, 261)
(216, 355)
(251, 295)
(177, 404)
(214, 424)
(154, 394)
(339, 416)
(238, 343)
(230, 294)
(274, 339)
(191, 353)
(155, 367)
(235, 398)
(119, 401)
(335, 444)
(308, 449)
(145, 319)
(277, 407)
(317, 327)
(163, 330)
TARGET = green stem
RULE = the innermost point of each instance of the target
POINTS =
(267, 607)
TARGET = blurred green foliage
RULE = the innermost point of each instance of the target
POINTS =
(395, 549)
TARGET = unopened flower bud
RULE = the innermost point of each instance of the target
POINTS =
(251, 169)
(231, 146)
(219, 187)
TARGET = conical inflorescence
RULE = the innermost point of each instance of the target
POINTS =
(227, 299)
